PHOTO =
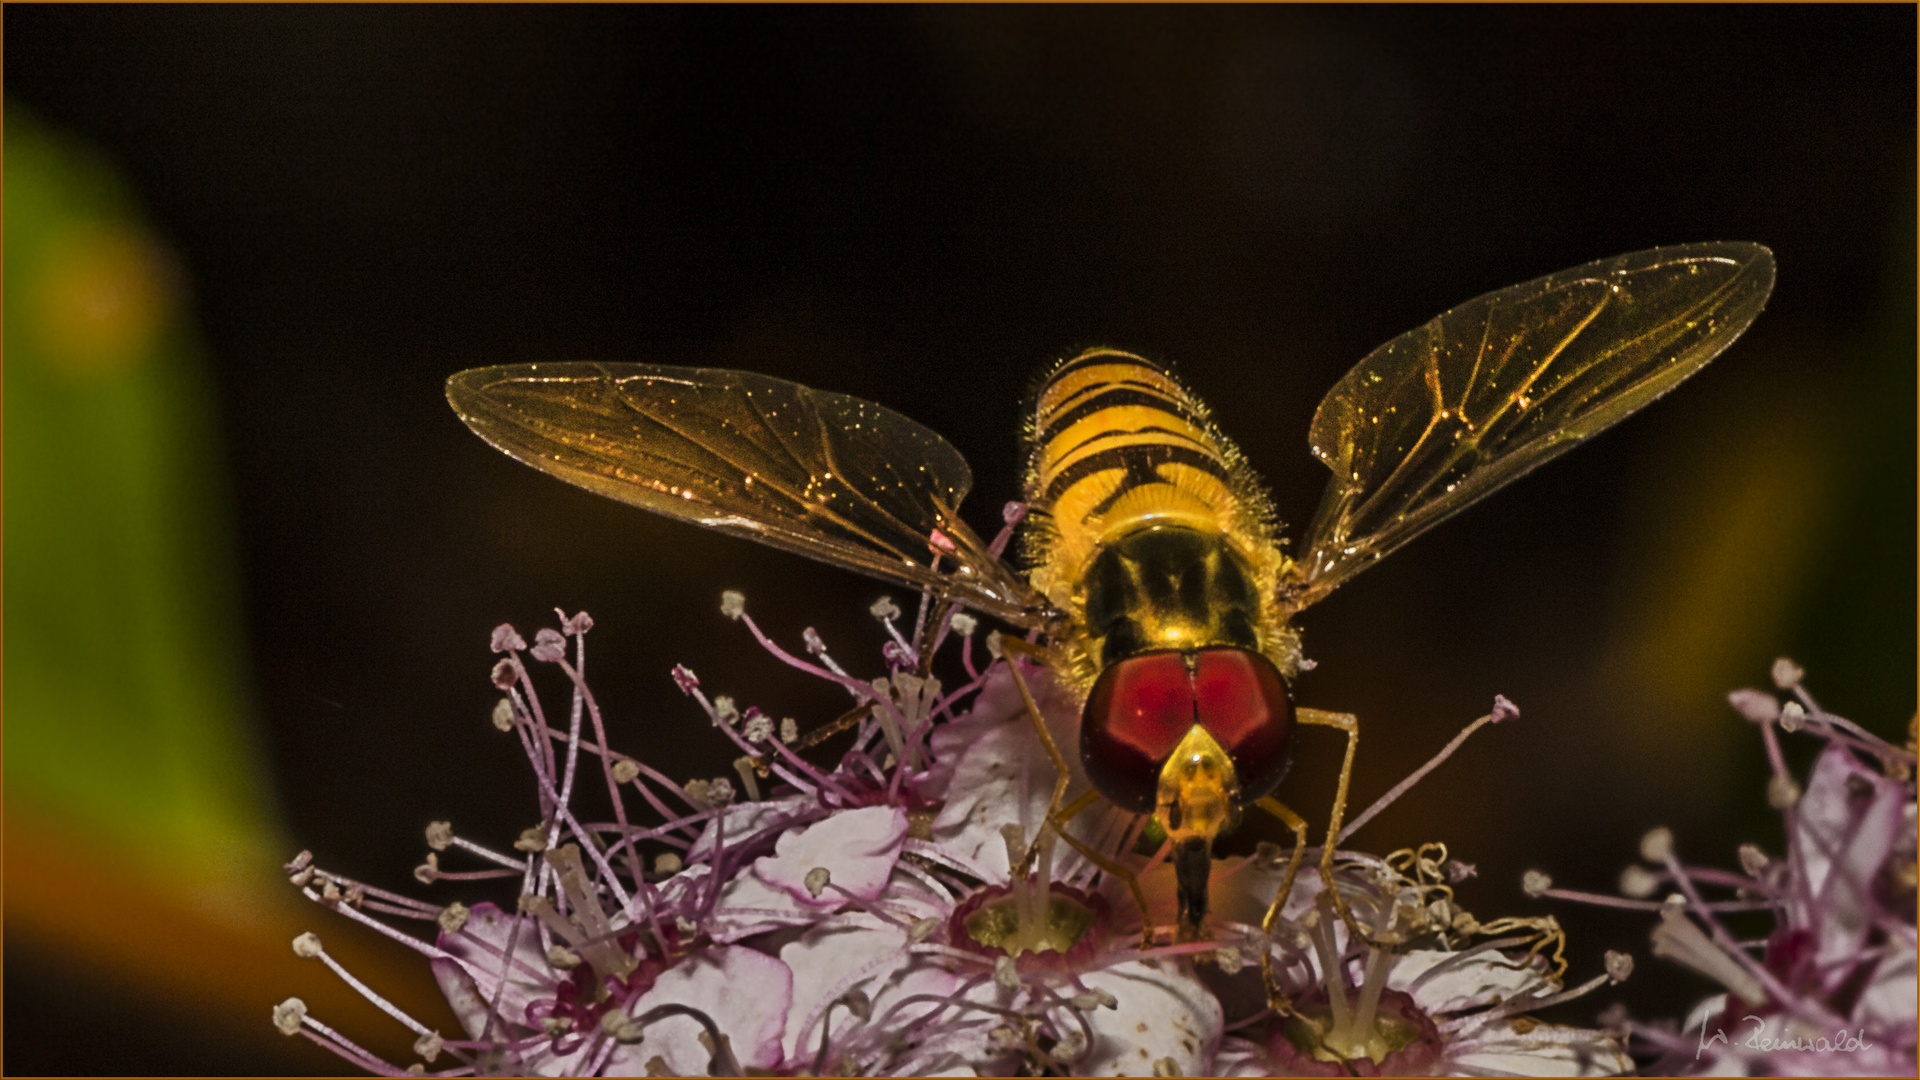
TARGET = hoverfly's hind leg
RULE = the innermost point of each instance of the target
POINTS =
(1059, 814)
(1350, 724)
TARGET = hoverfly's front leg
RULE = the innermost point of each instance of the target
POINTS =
(1350, 724)
(1298, 824)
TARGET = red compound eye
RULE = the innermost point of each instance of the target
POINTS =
(1141, 708)
(1245, 706)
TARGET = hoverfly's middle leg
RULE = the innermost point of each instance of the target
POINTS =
(1061, 776)
(1058, 814)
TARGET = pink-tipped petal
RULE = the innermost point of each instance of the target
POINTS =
(858, 848)
(743, 820)
(1163, 1013)
(746, 994)
(1543, 1050)
(1845, 828)
(472, 980)
(1238, 1057)
(828, 962)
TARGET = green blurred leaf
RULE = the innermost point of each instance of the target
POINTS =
(126, 708)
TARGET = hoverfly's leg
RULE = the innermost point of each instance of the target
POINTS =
(1057, 815)
(1298, 824)
(1350, 724)
(1113, 869)
(1061, 777)
(1072, 810)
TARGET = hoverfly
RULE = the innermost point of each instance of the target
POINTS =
(1156, 571)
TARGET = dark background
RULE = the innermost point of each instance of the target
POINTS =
(924, 207)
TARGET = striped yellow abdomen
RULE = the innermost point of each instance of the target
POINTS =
(1119, 445)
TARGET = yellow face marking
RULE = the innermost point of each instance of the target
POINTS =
(1197, 788)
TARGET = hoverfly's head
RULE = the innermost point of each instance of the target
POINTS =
(1190, 737)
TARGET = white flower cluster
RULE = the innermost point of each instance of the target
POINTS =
(909, 910)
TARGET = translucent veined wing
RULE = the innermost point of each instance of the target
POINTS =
(825, 475)
(1444, 414)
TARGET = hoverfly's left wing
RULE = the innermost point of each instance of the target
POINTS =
(824, 475)
(1442, 415)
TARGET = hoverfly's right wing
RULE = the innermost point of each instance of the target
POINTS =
(825, 475)
(1442, 415)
